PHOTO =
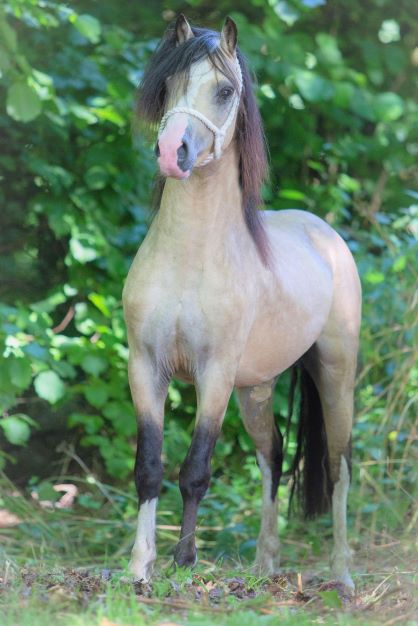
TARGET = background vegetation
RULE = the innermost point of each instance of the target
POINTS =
(337, 83)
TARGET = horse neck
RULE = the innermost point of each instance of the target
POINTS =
(201, 212)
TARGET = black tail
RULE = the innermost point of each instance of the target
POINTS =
(311, 482)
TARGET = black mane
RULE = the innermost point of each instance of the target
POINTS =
(170, 59)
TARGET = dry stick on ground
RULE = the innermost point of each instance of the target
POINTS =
(385, 594)
(102, 488)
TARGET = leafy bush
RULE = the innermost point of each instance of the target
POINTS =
(336, 95)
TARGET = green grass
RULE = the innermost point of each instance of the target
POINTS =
(64, 567)
(50, 587)
(117, 603)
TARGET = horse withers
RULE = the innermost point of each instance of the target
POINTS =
(227, 296)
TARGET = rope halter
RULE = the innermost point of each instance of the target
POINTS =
(219, 133)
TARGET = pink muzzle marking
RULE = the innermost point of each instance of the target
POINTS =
(169, 142)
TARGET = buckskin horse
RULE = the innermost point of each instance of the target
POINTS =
(227, 296)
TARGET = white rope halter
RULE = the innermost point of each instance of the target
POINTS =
(218, 133)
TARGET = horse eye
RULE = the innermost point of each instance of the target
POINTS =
(225, 93)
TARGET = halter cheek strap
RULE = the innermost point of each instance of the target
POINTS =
(219, 133)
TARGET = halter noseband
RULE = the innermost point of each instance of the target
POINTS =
(219, 133)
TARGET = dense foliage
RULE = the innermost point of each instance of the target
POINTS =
(336, 90)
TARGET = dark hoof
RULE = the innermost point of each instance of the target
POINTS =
(185, 556)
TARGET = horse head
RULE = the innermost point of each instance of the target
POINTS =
(202, 95)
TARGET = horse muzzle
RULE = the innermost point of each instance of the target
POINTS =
(175, 150)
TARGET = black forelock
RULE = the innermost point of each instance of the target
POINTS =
(170, 59)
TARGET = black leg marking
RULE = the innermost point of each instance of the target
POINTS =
(276, 461)
(194, 480)
(148, 466)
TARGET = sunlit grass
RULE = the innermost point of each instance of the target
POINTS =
(51, 546)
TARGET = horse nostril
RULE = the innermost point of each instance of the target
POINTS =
(182, 152)
(157, 149)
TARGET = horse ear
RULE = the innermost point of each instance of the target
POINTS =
(229, 36)
(183, 30)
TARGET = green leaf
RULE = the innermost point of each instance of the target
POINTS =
(5, 61)
(286, 12)
(88, 501)
(362, 103)
(292, 194)
(349, 184)
(93, 364)
(20, 372)
(97, 394)
(400, 264)
(267, 91)
(88, 26)
(388, 106)
(96, 177)
(82, 252)
(83, 113)
(36, 351)
(7, 400)
(49, 386)
(8, 35)
(16, 429)
(330, 54)
(389, 31)
(100, 302)
(46, 491)
(374, 277)
(343, 94)
(312, 87)
(23, 103)
(331, 599)
(91, 423)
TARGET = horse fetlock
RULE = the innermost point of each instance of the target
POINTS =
(266, 563)
(340, 561)
(185, 554)
(267, 560)
(141, 565)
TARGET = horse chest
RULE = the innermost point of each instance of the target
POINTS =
(181, 316)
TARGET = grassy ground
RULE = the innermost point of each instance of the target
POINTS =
(63, 567)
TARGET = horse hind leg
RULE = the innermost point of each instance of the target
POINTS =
(332, 366)
(258, 418)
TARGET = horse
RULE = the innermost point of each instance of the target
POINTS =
(225, 295)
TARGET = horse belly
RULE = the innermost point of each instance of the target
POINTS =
(277, 341)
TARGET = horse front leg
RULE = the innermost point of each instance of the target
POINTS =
(148, 397)
(213, 394)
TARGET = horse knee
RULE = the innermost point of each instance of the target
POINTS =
(195, 472)
(194, 480)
